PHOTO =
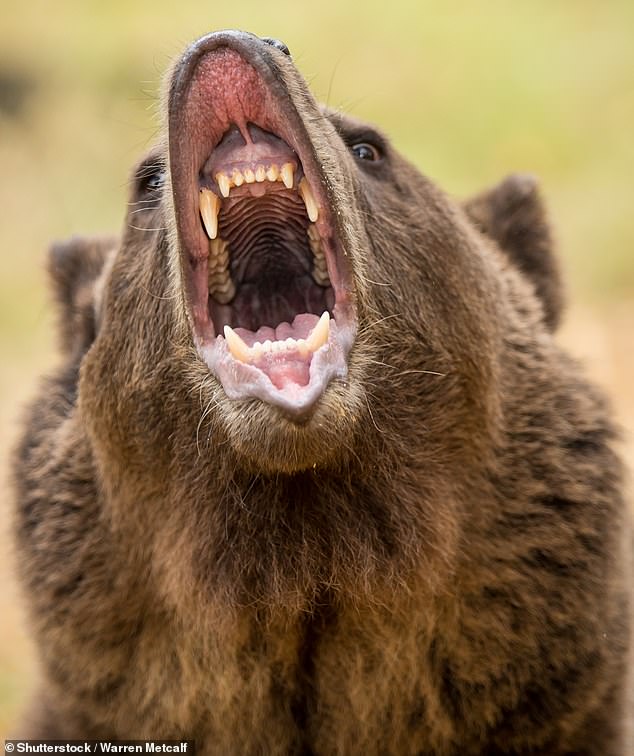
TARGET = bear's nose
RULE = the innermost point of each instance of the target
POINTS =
(278, 44)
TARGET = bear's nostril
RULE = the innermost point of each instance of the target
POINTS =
(277, 44)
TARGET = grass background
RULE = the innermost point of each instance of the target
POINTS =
(469, 91)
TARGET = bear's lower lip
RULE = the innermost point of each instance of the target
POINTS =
(268, 287)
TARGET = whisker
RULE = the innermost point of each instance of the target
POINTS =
(211, 405)
(372, 416)
(158, 296)
(425, 372)
(139, 228)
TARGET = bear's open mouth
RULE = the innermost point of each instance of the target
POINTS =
(269, 287)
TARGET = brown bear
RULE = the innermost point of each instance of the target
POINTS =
(313, 476)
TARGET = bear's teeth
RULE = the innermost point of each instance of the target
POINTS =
(240, 351)
(320, 265)
(223, 183)
(209, 207)
(287, 175)
(260, 173)
(309, 200)
(237, 347)
(221, 287)
(319, 335)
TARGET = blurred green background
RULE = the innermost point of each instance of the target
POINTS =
(469, 91)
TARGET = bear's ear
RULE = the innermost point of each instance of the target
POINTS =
(74, 266)
(512, 214)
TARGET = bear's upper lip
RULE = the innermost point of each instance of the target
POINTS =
(267, 281)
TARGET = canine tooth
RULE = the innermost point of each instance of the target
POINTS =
(272, 173)
(249, 176)
(287, 175)
(223, 184)
(319, 334)
(309, 200)
(260, 173)
(238, 178)
(237, 347)
(209, 206)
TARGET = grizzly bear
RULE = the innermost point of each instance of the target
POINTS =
(314, 476)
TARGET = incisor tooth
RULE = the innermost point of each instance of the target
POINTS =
(223, 184)
(237, 347)
(272, 173)
(260, 173)
(209, 206)
(319, 334)
(249, 176)
(238, 178)
(309, 200)
(287, 175)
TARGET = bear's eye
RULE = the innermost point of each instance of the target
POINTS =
(151, 179)
(155, 181)
(366, 151)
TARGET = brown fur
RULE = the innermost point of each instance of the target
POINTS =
(436, 562)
